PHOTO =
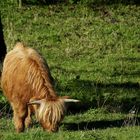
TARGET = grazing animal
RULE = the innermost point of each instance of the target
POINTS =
(28, 85)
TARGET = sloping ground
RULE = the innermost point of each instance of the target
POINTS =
(92, 49)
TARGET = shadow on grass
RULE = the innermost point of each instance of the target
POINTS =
(93, 2)
(110, 2)
(42, 2)
(120, 97)
(114, 96)
(103, 124)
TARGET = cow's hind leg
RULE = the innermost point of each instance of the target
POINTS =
(20, 113)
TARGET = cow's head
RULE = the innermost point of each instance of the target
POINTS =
(50, 113)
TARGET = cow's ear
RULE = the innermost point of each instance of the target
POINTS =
(65, 97)
(35, 102)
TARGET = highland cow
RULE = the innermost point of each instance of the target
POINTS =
(28, 86)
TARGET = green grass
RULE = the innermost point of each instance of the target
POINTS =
(92, 49)
(91, 125)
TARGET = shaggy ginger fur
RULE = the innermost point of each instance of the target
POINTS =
(28, 85)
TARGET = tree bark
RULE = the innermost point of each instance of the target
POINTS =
(2, 45)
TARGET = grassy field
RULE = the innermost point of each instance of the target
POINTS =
(93, 50)
(95, 124)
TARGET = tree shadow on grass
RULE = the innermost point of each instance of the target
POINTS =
(114, 96)
(110, 2)
(93, 2)
(101, 7)
(42, 2)
(103, 124)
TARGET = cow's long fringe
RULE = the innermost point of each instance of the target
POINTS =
(51, 111)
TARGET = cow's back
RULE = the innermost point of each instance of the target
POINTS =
(14, 75)
(26, 75)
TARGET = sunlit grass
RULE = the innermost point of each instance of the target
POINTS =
(93, 124)
(93, 54)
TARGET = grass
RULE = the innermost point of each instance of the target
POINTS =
(95, 124)
(92, 49)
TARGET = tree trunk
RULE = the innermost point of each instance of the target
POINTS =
(2, 45)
